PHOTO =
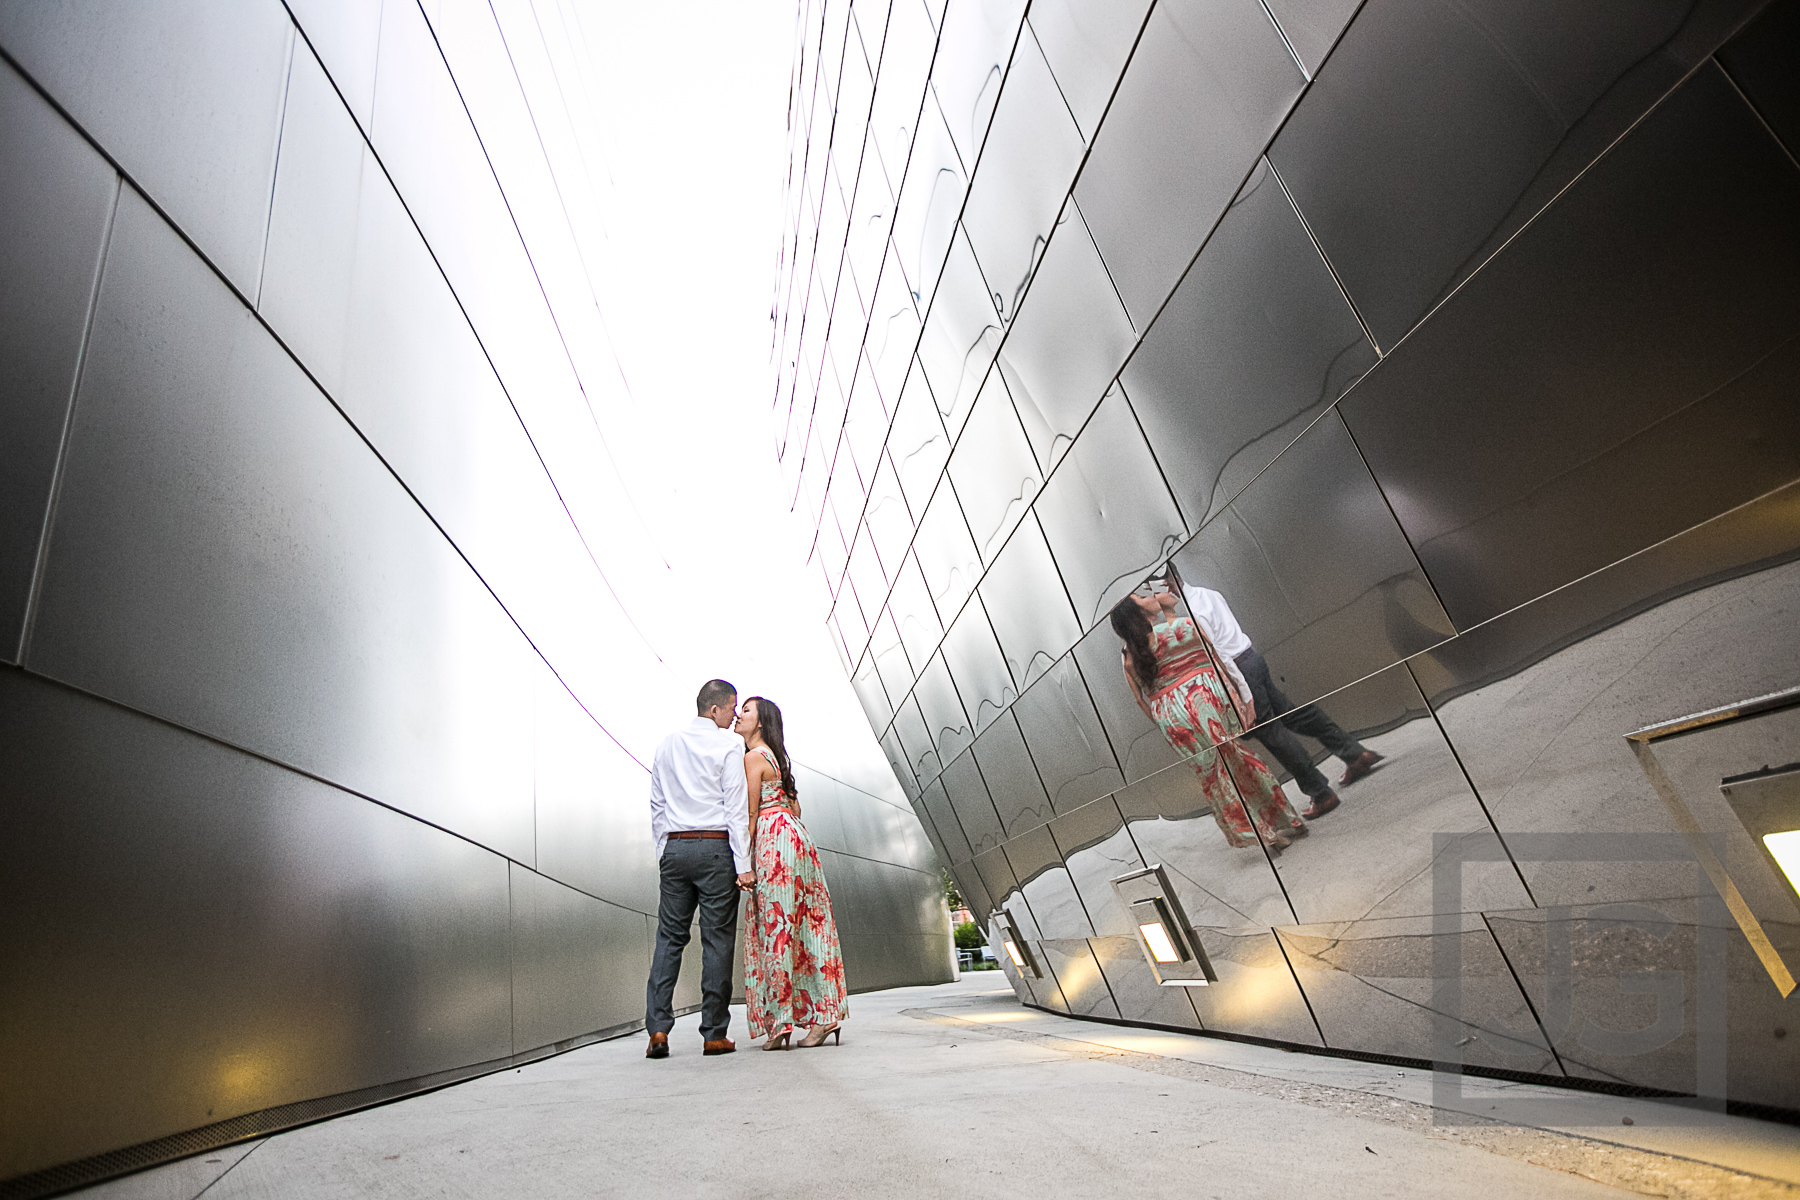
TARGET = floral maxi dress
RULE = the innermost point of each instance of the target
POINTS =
(1197, 718)
(793, 969)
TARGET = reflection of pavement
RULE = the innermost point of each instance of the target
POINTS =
(951, 1091)
(1545, 745)
(1372, 857)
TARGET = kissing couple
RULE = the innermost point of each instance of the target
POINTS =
(725, 815)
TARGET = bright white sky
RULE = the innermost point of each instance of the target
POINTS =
(693, 101)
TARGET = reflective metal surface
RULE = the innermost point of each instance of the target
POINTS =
(1619, 988)
(977, 666)
(1079, 978)
(1310, 562)
(1096, 849)
(586, 833)
(1372, 985)
(962, 332)
(1073, 756)
(1172, 823)
(1537, 703)
(1134, 990)
(331, 943)
(946, 553)
(1435, 363)
(1107, 511)
(1086, 43)
(1686, 304)
(1055, 908)
(968, 795)
(1158, 178)
(1018, 794)
(1374, 856)
(58, 187)
(187, 99)
(1256, 992)
(993, 470)
(950, 728)
(1066, 346)
(1029, 609)
(1028, 163)
(566, 949)
(198, 531)
(1252, 346)
(1487, 95)
(332, 690)
(1312, 28)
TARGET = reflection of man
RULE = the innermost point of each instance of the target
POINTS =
(1280, 719)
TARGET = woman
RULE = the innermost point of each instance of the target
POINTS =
(793, 971)
(1170, 668)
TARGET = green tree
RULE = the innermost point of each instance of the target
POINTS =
(969, 936)
(952, 897)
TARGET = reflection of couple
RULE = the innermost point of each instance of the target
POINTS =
(1169, 666)
(1173, 665)
(722, 797)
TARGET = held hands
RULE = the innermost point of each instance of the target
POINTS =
(746, 881)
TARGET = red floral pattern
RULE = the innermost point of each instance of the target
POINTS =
(793, 969)
(1200, 722)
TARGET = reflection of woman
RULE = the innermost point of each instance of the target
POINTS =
(1169, 665)
(793, 970)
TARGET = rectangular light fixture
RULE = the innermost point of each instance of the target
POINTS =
(1157, 938)
(1018, 950)
(1767, 803)
(1156, 927)
(1169, 943)
(1784, 848)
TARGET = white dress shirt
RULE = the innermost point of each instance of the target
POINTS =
(697, 782)
(1213, 616)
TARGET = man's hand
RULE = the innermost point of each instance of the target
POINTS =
(746, 881)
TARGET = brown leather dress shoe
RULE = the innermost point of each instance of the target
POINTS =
(719, 1046)
(1358, 767)
(1321, 805)
(659, 1046)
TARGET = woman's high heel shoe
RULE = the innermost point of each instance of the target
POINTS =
(820, 1033)
(779, 1041)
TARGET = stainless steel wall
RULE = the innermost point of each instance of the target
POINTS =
(1456, 345)
(321, 730)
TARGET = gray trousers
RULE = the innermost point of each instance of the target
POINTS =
(1277, 736)
(696, 873)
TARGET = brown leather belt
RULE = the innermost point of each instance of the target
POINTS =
(699, 833)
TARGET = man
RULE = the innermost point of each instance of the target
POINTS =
(700, 818)
(1280, 719)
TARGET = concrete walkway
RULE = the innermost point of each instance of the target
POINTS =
(956, 1091)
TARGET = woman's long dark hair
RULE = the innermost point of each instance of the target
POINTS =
(1133, 628)
(768, 716)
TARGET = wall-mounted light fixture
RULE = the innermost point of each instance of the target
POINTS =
(1169, 944)
(1013, 944)
(1768, 804)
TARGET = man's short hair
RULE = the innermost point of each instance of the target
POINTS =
(715, 691)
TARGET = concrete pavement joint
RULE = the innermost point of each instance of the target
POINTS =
(1603, 1162)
